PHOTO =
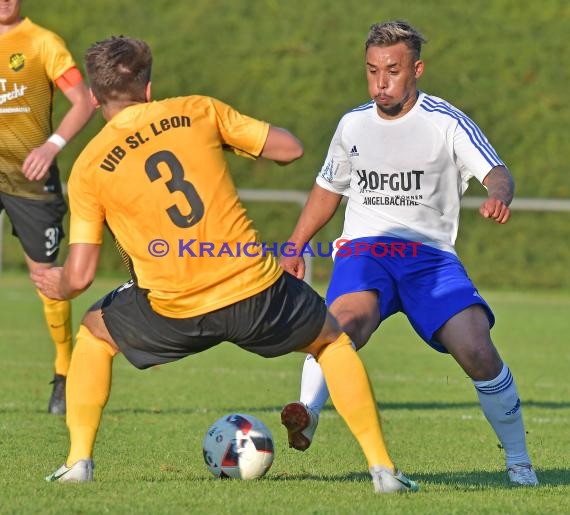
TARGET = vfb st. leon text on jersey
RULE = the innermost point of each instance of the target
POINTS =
(139, 138)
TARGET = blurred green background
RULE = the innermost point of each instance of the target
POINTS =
(299, 64)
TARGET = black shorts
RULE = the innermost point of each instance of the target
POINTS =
(38, 224)
(286, 317)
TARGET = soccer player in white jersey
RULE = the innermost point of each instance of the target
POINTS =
(404, 160)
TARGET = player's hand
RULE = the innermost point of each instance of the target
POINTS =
(495, 209)
(295, 265)
(47, 280)
(37, 164)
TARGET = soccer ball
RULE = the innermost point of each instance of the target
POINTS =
(238, 446)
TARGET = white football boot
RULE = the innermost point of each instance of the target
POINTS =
(386, 482)
(80, 472)
(522, 474)
(301, 424)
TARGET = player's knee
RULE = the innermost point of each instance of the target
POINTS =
(358, 325)
(482, 364)
(489, 370)
(342, 340)
(358, 330)
(93, 323)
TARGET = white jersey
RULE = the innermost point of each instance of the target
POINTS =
(404, 178)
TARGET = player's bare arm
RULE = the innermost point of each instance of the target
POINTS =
(500, 190)
(74, 277)
(281, 146)
(318, 210)
(38, 161)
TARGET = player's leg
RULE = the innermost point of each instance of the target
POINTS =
(354, 400)
(466, 336)
(358, 316)
(353, 299)
(88, 387)
(89, 384)
(287, 316)
(57, 314)
(38, 226)
(459, 322)
(123, 321)
(350, 389)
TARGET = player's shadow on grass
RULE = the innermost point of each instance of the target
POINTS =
(409, 406)
(188, 410)
(464, 481)
(235, 408)
(527, 403)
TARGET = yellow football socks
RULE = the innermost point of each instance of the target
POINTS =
(58, 317)
(353, 398)
(88, 386)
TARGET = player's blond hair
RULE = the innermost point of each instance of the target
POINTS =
(392, 32)
(119, 68)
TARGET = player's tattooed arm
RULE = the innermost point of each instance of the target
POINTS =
(500, 189)
(500, 184)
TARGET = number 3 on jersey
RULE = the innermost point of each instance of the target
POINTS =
(176, 183)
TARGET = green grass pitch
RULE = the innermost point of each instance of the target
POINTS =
(148, 453)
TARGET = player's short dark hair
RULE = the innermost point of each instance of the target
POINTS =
(392, 32)
(119, 68)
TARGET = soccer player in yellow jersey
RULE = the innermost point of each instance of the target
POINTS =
(32, 61)
(157, 177)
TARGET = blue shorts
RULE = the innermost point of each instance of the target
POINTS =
(428, 285)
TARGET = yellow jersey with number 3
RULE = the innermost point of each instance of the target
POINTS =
(156, 174)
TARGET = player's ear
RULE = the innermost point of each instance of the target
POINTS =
(94, 100)
(418, 68)
(147, 92)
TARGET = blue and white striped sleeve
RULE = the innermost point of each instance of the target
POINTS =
(335, 173)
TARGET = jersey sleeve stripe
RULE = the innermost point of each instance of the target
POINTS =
(363, 107)
(475, 135)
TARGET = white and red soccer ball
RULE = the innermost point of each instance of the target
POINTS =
(238, 446)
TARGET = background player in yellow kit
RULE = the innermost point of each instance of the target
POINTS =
(157, 176)
(32, 61)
